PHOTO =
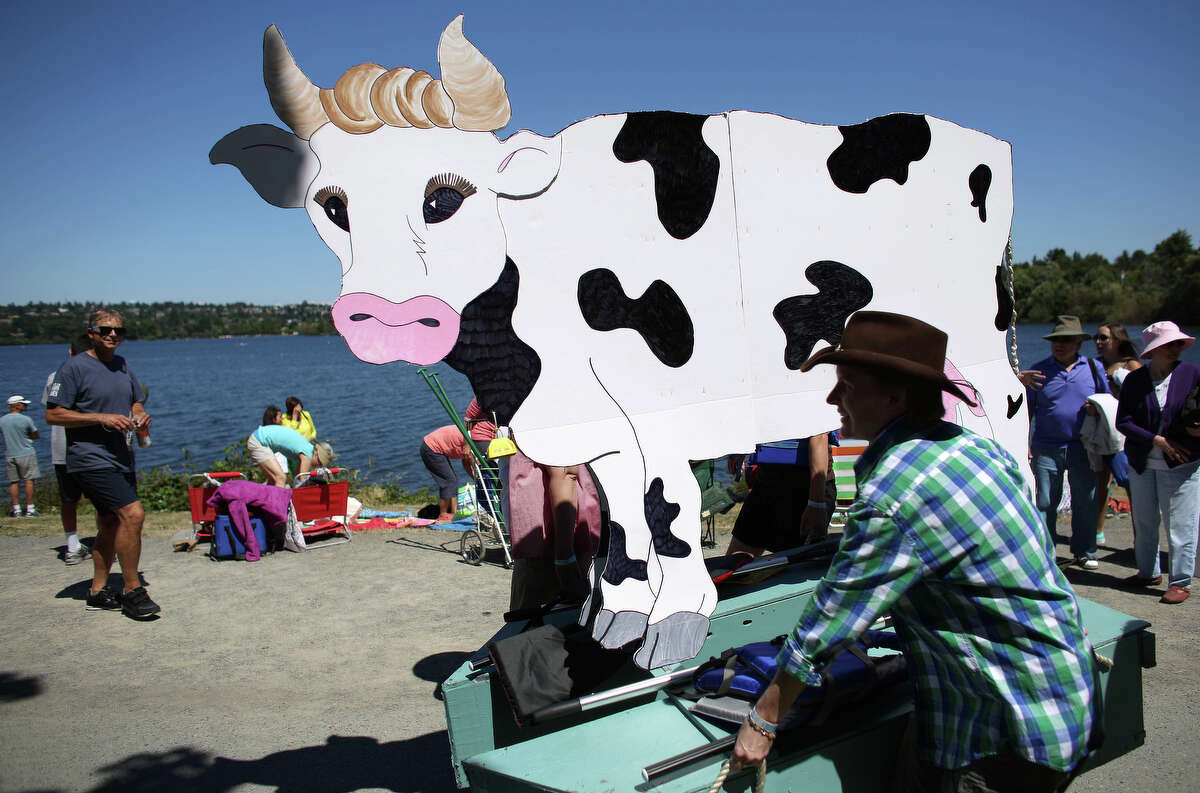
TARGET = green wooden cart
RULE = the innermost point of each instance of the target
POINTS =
(621, 747)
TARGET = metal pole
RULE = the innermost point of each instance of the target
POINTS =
(481, 459)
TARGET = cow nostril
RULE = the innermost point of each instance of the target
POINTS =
(359, 317)
(429, 322)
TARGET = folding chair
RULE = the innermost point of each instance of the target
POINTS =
(316, 501)
(845, 454)
(714, 500)
(200, 487)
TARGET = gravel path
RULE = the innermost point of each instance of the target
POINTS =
(319, 672)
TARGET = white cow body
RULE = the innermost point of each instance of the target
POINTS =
(559, 208)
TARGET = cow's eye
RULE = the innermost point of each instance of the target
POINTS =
(441, 204)
(334, 201)
(444, 194)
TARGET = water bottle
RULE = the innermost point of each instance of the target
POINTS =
(143, 435)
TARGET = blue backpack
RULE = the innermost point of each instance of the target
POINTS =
(742, 673)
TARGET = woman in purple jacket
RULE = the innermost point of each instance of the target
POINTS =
(1163, 444)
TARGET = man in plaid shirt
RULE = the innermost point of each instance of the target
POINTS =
(942, 537)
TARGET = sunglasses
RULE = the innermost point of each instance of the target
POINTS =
(1098, 337)
(104, 330)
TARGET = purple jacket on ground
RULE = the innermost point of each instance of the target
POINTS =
(238, 497)
(1138, 414)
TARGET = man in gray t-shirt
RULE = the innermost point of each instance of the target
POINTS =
(97, 398)
(21, 458)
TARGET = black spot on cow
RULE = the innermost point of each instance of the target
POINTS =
(658, 315)
(685, 168)
(881, 148)
(1004, 301)
(841, 291)
(979, 181)
(619, 566)
(660, 514)
(1014, 404)
(502, 368)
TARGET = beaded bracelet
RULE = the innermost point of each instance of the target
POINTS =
(770, 736)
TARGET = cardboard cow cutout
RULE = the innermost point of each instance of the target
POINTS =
(640, 289)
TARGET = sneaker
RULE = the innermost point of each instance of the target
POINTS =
(16, 513)
(31, 512)
(1088, 564)
(75, 557)
(104, 600)
(137, 604)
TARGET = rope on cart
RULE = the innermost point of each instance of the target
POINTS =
(760, 780)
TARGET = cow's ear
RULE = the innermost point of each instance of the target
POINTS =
(276, 163)
(528, 164)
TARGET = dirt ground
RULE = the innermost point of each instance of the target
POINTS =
(320, 671)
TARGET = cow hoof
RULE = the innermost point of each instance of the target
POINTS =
(676, 638)
(617, 630)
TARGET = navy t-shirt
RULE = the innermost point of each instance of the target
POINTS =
(89, 385)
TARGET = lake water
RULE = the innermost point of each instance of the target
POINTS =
(206, 394)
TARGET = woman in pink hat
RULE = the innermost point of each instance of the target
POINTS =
(1162, 441)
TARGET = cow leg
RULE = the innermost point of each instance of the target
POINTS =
(686, 597)
(620, 579)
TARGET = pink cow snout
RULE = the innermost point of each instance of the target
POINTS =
(421, 330)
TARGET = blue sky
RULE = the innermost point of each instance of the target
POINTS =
(111, 109)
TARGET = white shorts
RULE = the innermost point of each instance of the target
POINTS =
(259, 454)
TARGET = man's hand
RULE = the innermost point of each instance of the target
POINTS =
(116, 422)
(141, 418)
(751, 748)
(1031, 378)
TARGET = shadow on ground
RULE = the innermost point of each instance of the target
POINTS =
(15, 686)
(437, 667)
(343, 764)
(81, 589)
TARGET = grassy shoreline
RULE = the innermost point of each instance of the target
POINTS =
(164, 523)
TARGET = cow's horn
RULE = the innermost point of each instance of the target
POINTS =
(296, 100)
(472, 82)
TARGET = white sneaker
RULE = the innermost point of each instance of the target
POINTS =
(1088, 564)
(75, 557)
(31, 512)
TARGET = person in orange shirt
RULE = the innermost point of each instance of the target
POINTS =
(438, 448)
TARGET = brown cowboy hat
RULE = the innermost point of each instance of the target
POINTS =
(904, 345)
(1066, 326)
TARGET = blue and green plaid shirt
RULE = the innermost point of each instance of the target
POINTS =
(943, 537)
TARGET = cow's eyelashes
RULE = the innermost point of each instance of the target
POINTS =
(444, 194)
(336, 205)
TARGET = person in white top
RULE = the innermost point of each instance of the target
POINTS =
(68, 489)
